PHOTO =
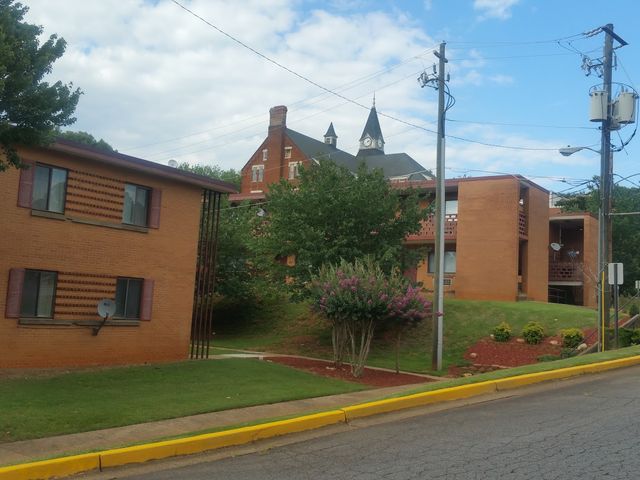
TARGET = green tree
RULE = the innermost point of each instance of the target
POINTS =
(231, 175)
(30, 108)
(625, 228)
(237, 267)
(86, 139)
(332, 215)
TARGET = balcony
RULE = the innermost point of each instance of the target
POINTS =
(565, 271)
(522, 224)
(428, 230)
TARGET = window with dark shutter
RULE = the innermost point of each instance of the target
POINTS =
(136, 205)
(128, 297)
(49, 189)
(38, 294)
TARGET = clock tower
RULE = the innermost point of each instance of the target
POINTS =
(371, 140)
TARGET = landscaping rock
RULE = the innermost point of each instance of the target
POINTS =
(467, 374)
(581, 347)
(520, 340)
(554, 342)
(473, 355)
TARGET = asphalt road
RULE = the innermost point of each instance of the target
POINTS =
(584, 429)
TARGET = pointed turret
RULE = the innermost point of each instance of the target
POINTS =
(330, 138)
(371, 140)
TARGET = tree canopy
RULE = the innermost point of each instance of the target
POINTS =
(236, 264)
(332, 214)
(625, 229)
(214, 171)
(30, 108)
(86, 139)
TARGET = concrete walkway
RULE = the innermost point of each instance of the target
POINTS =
(29, 450)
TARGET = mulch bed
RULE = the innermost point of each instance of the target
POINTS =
(370, 377)
(487, 354)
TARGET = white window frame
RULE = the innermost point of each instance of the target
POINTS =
(450, 261)
(287, 152)
(257, 173)
(294, 170)
(265, 154)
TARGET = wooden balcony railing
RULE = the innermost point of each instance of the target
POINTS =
(428, 230)
(565, 271)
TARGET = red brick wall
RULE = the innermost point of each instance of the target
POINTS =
(276, 166)
(487, 242)
(167, 255)
(537, 273)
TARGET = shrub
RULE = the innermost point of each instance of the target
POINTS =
(533, 333)
(634, 309)
(635, 336)
(568, 353)
(502, 332)
(571, 337)
(358, 298)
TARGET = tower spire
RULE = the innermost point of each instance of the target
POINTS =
(371, 140)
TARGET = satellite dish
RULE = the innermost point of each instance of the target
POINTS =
(106, 308)
(172, 163)
(555, 247)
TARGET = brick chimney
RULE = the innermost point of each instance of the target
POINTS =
(278, 117)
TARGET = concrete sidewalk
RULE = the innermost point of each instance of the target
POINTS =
(30, 450)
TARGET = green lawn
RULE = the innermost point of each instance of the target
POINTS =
(90, 400)
(285, 327)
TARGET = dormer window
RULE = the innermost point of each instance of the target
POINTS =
(265, 155)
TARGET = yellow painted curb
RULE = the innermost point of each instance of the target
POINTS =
(531, 378)
(418, 399)
(59, 467)
(610, 364)
(65, 466)
(211, 441)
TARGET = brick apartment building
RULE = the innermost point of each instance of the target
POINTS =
(498, 229)
(80, 225)
(499, 233)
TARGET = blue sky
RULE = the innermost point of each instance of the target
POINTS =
(161, 84)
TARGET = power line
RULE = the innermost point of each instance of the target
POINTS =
(347, 99)
(505, 124)
(346, 86)
(547, 177)
(507, 44)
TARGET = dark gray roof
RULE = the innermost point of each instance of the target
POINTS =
(372, 127)
(330, 131)
(393, 165)
(313, 148)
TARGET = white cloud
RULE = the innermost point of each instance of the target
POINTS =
(500, 9)
(153, 72)
(161, 84)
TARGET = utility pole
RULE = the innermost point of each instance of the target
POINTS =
(438, 280)
(605, 188)
(606, 181)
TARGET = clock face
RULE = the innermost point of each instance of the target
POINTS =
(380, 142)
(367, 142)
